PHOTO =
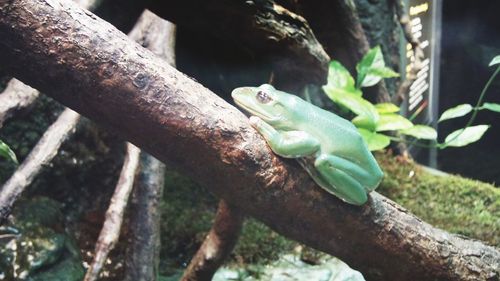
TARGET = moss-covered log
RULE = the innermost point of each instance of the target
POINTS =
(89, 66)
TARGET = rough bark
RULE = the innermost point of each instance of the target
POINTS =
(110, 231)
(262, 27)
(218, 244)
(143, 252)
(41, 155)
(15, 98)
(99, 72)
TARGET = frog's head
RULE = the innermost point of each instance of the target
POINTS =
(271, 105)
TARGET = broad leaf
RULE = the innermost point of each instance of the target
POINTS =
(457, 111)
(364, 122)
(392, 122)
(420, 132)
(7, 153)
(463, 137)
(374, 140)
(383, 72)
(495, 60)
(371, 69)
(340, 78)
(386, 107)
(353, 102)
(491, 106)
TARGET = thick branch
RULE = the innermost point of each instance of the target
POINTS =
(260, 26)
(218, 244)
(41, 155)
(99, 72)
(17, 96)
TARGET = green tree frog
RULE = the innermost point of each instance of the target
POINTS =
(327, 146)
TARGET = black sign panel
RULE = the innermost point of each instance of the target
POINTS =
(421, 99)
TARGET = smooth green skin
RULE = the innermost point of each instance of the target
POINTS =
(326, 145)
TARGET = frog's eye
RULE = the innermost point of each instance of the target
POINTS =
(262, 97)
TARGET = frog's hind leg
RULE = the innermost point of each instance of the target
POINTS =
(308, 164)
(339, 181)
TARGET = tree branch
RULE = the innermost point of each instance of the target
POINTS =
(99, 72)
(16, 97)
(260, 26)
(40, 156)
(143, 253)
(218, 244)
(114, 215)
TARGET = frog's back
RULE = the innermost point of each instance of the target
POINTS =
(336, 134)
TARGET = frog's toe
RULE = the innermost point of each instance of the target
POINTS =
(340, 183)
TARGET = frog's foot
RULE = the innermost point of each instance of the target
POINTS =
(345, 179)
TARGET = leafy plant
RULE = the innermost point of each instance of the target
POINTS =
(372, 120)
(7, 153)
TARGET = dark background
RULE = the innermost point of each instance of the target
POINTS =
(470, 39)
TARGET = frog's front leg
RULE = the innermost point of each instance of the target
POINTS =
(342, 179)
(289, 144)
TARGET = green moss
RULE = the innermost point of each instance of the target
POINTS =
(258, 244)
(453, 203)
(187, 214)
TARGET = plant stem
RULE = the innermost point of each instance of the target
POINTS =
(474, 113)
(415, 142)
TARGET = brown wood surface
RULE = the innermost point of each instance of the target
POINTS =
(96, 70)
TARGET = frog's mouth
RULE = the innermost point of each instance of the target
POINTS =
(253, 111)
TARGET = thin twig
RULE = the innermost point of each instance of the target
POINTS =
(218, 244)
(41, 155)
(114, 215)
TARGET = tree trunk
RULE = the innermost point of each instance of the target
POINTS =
(94, 69)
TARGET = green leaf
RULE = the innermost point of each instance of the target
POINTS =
(457, 111)
(391, 122)
(353, 102)
(340, 78)
(491, 106)
(463, 137)
(386, 107)
(374, 140)
(383, 72)
(495, 60)
(7, 153)
(364, 122)
(371, 69)
(420, 132)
